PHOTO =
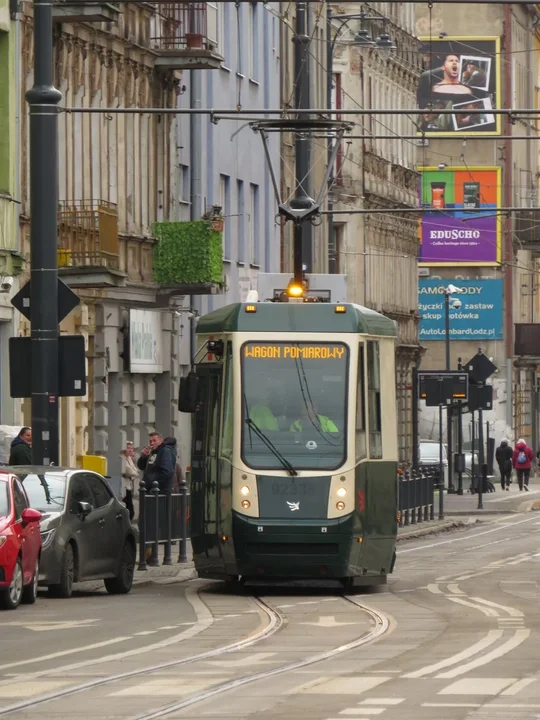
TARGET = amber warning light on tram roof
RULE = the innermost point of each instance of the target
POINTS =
(340, 309)
(251, 308)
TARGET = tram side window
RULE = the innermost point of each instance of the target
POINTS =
(374, 399)
(227, 439)
(361, 452)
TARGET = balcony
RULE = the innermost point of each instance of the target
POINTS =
(88, 243)
(184, 36)
(75, 11)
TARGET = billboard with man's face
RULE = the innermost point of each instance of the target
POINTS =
(462, 74)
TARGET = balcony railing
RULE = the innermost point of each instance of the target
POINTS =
(88, 234)
(182, 26)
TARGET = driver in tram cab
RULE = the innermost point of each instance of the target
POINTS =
(309, 416)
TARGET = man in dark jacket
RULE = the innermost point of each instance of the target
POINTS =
(158, 462)
(21, 448)
(503, 456)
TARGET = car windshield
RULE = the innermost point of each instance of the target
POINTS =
(4, 499)
(296, 395)
(46, 493)
(430, 453)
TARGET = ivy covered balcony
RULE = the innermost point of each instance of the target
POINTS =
(188, 258)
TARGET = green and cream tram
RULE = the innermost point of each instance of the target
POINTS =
(294, 454)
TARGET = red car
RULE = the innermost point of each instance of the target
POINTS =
(20, 545)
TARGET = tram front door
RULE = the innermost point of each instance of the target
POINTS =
(205, 467)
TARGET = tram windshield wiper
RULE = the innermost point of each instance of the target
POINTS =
(270, 445)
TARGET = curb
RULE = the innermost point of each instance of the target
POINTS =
(443, 527)
(171, 580)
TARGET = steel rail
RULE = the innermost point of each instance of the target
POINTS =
(381, 626)
(275, 622)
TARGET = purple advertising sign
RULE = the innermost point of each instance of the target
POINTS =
(460, 225)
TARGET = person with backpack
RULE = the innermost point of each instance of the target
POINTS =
(503, 456)
(522, 461)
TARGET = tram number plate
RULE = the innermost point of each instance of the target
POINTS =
(294, 489)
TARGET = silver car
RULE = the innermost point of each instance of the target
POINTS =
(86, 533)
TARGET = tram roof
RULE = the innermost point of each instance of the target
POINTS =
(296, 317)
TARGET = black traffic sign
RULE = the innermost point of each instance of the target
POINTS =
(480, 368)
(67, 300)
(438, 387)
(71, 366)
(480, 398)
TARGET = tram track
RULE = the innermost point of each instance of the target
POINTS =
(381, 626)
(276, 622)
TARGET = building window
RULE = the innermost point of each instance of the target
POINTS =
(225, 202)
(254, 226)
(252, 41)
(241, 224)
(184, 191)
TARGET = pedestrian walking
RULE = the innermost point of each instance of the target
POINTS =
(130, 474)
(158, 462)
(21, 448)
(522, 460)
(504, 455)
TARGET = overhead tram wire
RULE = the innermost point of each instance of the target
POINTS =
(516, 115)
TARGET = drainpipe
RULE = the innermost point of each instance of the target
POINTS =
(507, 247)
(195, 160)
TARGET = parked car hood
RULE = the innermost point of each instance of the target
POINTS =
(49, 520)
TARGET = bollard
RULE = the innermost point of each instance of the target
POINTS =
(182, 556)
(167, 560)
(154, 559)
(142, 526)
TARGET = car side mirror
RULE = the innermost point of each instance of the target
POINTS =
(29, 515)
(85, 509)
(187, 396)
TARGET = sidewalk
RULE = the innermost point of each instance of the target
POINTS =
(497, 502)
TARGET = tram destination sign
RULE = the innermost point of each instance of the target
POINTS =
(438, 387)
(302, 351)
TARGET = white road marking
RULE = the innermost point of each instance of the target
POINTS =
(45, 626)
(364, 711)
(518, 686)
(204, 620)
(452, 705)
(497, 563)
(242, 662)
(382, 701)
(328, 621)
(434, 588)
(454, 588)
(487, 611)
(519, 637)
(477, 686)
(162, 687)
(145, 632)
(344, 685)
(491, 637)
(510, 610)
(61, 653)
(469, 537)
(26, 689)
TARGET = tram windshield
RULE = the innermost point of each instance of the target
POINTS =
(296, 395)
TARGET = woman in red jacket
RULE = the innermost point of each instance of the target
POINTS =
(522, 461)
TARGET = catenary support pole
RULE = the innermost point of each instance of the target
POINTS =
(43, 101)
(460, 440)
(449, 413)
(302, 232)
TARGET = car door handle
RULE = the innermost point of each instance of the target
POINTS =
(118, 516)
(102, 522)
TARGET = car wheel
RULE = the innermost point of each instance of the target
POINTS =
(29, 595)
(10, 598)
(122, 583)
(65, 587)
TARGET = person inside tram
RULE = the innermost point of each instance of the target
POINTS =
(309, 417)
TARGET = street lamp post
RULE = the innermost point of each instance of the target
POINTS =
(455, 304)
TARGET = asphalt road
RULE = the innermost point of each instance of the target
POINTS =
(453, 637)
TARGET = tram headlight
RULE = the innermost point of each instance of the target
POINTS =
(245, 504)
(244, 490)
(341, 492)
(340, 505)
